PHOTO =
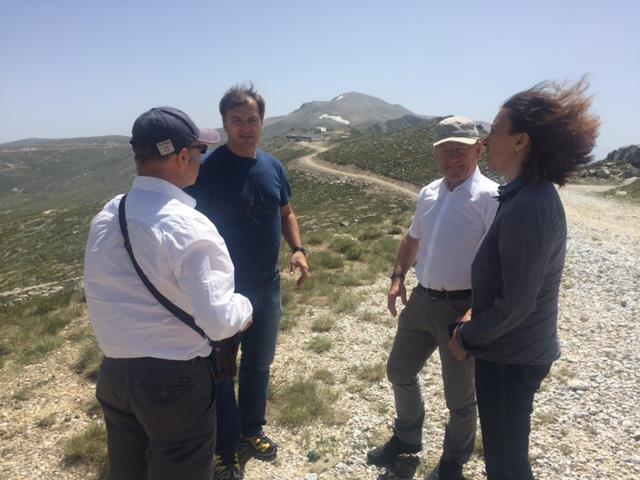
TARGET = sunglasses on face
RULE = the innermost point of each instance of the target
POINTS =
(203, 147)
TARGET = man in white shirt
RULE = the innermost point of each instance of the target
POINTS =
(156, 385)
(451, 218)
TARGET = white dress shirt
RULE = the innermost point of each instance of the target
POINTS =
(450, 224)
(186, 259)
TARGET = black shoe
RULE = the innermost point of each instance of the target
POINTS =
(449, 470)
(388, 453)
(227, 466)
(259, 446)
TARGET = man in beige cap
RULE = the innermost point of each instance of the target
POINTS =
(451, 218)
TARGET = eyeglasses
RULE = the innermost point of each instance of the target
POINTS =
(203, 147)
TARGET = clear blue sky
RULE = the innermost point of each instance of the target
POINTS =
(81, 68)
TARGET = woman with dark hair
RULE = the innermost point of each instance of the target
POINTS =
(538, 138)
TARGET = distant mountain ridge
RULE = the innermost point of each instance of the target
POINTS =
(351, 110)
(63, 143)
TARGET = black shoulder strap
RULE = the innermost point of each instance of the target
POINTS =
(164, 301)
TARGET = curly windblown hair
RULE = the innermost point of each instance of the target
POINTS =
(561, 129)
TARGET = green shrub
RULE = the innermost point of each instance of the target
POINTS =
(30, 329)
(320, 344)
(371, 233)
(369, 316)
(302, 402)
(346, 302)
(322, 324)
(46, 421)
(327, 260)
(315, 238)
(88, 446)
(325, 376)
(355, 252)
(93, 408)
(88, 362)
(288, 322)
(342, 243)
(373, 373)
(352, 278)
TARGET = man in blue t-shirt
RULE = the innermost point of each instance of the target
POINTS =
(245, 193)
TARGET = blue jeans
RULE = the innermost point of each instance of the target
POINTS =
(246, 416)
(505, 402)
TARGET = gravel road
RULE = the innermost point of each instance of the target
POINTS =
(586, 423)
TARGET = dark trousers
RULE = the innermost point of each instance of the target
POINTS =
(505, 402)
(247, 414)
(160, 418)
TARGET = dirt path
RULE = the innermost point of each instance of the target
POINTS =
(585, 425)
(607, 215)
(581, 202)
(312, 162)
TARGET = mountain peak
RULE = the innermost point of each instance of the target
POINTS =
(347, 110)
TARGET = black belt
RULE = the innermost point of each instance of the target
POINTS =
(447, 294)
(154, 360)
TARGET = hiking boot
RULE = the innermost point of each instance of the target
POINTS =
(388, 453)
(227, 466)
(259, 446)
(447, 470)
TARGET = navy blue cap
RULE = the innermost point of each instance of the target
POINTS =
(167, 130)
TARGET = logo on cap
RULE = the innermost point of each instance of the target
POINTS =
(165, 147)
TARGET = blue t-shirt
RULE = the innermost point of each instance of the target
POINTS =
(242, 197)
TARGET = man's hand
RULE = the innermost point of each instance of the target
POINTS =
(298, 260)
(397, 290)
(455, 346)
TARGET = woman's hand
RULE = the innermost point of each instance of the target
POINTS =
(455, 346)
(466, 317)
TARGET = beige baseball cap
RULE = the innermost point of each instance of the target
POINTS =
(456, 129)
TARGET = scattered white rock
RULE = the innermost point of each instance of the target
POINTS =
(585, 421)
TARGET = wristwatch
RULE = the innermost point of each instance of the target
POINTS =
(397, 274)
(299, 249)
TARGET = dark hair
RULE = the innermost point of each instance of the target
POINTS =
(240, 95)
(561, 130)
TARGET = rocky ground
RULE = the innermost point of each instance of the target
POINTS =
(586, 423)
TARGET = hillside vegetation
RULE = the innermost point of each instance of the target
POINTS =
(630, 189)
(405, 154)
(329, 399)
(49, 177)
(43, 315)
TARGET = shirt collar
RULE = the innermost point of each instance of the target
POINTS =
(155, 184)
(510, 188)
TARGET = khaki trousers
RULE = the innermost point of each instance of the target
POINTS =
(423, 327)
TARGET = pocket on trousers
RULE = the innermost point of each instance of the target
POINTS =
(165, 394)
